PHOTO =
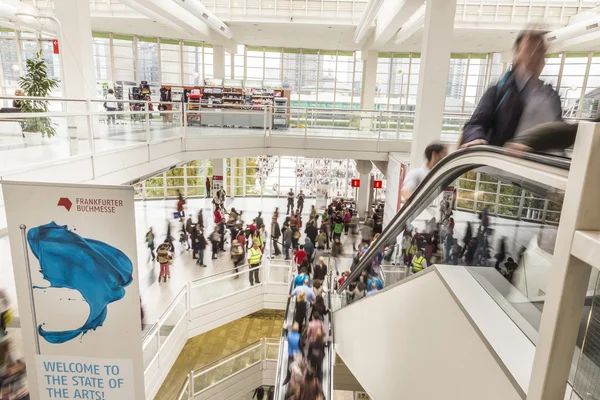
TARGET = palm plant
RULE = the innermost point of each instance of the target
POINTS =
(36, 83)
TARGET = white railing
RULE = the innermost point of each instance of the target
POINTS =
(134, 133)
(205, 304)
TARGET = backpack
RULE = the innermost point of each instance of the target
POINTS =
(162, 255)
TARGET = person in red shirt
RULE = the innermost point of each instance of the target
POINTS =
(218, 216)
(241, 239)
(250, 229)
(300, 255)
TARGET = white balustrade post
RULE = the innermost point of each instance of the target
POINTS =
(92, 146)
(569, 276)
(189, 301)
(185, 126)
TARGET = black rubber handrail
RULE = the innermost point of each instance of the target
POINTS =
(431, 182)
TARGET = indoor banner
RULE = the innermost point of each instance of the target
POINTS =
(73, 252)
(321, 197)
(217, 182)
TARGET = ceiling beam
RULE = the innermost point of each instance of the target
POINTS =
(390, 18)
(366, 20)
(134, 5)
(196, 8)
(179, 16)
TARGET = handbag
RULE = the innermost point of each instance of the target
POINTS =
(296, 234)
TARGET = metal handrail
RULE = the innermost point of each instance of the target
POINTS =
(165, 314)
(229, 357)
(281, 355)
(184, 389)
(427, 187)
(218, 273)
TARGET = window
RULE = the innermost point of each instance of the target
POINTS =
(309, 87)
(147, 59)
(170, 62)
(255, 63)
(9, 62)
(193, 73)
(101, 50)
(273, 59)
(571, 81)
(124, 65)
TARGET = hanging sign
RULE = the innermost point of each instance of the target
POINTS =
(217, 182)
(377, 184)
(355, 183)
(55, 49)
(73, 251)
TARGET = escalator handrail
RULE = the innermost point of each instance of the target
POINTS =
(431, 181)
(278, 378)
(330, 336)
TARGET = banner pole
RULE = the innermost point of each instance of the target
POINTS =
(30, 288)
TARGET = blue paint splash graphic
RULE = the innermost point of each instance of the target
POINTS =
(99, 271)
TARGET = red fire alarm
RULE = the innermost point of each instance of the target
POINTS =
(355, 183)
(377, 184)
(55, 46)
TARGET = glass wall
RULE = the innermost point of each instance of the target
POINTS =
(15, 49)
(397, 80)
(258, 176)
(189, 179)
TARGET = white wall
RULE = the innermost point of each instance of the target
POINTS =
(414, 341)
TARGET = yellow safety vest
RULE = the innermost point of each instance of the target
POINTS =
(418, 263)
(255, 255)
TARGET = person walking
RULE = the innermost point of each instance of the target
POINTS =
(111, 106)
(419, 263)
(207, 186)
(254, 260)
(237, 256)
(180, 204)
(290, 201)
(311, 231)
(214, 240)
(519, 101)
(164, 259)
(275, 235)
(200, 247)
(150, 243)
(287, 243)
(300, 202)
(300, 256)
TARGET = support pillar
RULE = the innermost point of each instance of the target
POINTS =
(433, 76)
(369, 87)
(219, 62)
(363, 201)
(77, 65)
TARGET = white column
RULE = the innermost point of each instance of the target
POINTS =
(433, 76)
(76, 49)
(569, 277)
(362, 202)
(369, 83)
(219, 62)
(78, 68)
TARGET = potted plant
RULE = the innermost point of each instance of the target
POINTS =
(36, 83)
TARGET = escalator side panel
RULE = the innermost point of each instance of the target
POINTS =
(415, 341)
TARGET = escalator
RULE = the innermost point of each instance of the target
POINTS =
(466, 326)
(283, 388)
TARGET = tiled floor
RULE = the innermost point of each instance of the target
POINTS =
(212, 345)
